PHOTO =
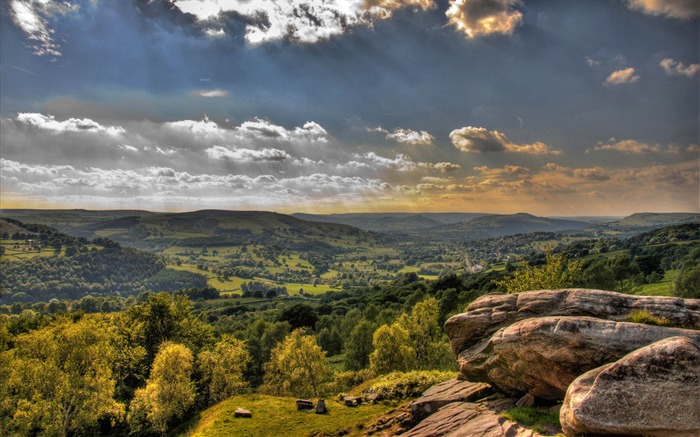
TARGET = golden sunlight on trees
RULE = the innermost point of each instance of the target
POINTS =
(556, 273)
(169, 391)
(222, 369)
(392, 350)
(297, 367)
(58, 380)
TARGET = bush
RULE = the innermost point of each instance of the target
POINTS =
(400, 385)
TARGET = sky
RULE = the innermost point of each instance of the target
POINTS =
(551, 107)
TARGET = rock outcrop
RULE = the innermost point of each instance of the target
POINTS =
(653, 391)
(471, 419)
(542, 356)
(447, 392)
(490, 313)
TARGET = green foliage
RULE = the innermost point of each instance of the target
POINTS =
(404, 385)
(687, 283)
(392, 350)
(556, 273)
(358, 346)
(222, 369)
(297, 367)
(531, 416)
(169, 391)
(57, 380)
(641, 316)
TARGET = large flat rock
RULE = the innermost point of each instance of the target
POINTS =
(469, 419)
(447, 392)
(653, 391)
(542, 356)
(492, 312)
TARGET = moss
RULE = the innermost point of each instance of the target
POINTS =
(533, 417)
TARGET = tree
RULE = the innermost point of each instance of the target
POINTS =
(222, 368)
(687, 283)
(392, 350)
(556, 273)
(300, 315)
(425, 332)
(297, 367)
(58, 379)
(358, 346)
(169, 391)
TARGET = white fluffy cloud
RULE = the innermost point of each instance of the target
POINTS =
(49, 122)
(246, 155)
(621, 77)
(408, 136)
(482, 140)
(304, 21)
(478, 18)
(32, 16)
(683, 9)
(676, 68)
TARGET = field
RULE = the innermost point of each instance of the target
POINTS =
(278, 416)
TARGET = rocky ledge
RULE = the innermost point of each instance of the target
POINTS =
(578, 346)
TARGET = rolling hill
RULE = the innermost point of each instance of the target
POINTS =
(156, 231)
(643, 222)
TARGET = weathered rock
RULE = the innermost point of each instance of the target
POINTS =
(542, 356)
(447, 392)
(492, 312)
(321, 407)
(304, 404)
(527, 400)
(653, 391)
(352, 401)
(467, 419)
(242, 412)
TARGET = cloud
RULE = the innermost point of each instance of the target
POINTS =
(302, 21)
(49, 122)
(210, 93)
(676, 68)
(481, 140)
(621, 77)
(478, 18)
(635, 147)
(446, 167)
(683, 9)
(32, 16)
(246, 155)
(408, 136)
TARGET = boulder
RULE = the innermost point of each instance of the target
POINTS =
(492, 312)
(653, 391)
(468, 419)
(242, 412)
(542, 356)
(447, 392)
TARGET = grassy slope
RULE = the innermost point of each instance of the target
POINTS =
(278, 416)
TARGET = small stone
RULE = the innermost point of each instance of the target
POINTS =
(242, 412)
(304, 404)
(321, 407)
(527, 400)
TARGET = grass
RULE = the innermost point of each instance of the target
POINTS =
(278, 416)
(641, 316)
(533, 417)
(662, 288)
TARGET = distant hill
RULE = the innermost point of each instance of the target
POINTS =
(391, 222)
(644, 221)
(157, 231)
(497, 225)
